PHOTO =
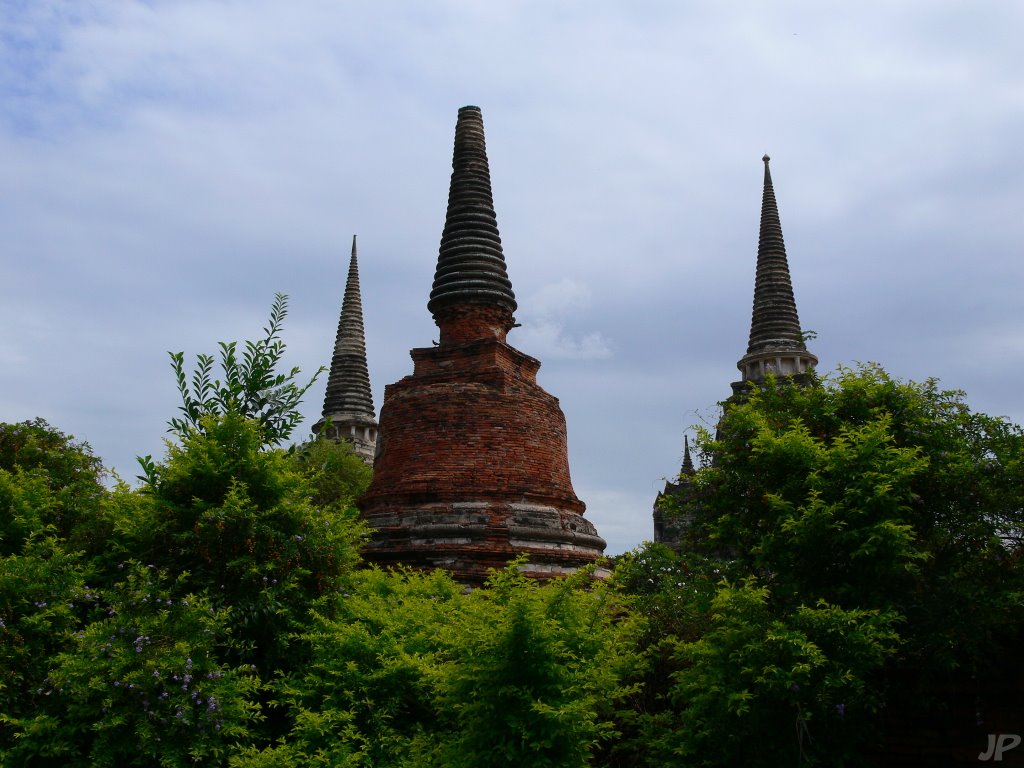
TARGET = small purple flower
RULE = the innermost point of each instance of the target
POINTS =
(841, 709)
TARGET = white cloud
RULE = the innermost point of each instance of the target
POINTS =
(169, 166)
(546, 316)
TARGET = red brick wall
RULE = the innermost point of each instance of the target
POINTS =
(468, 322)
(472, 466)
(472, 423)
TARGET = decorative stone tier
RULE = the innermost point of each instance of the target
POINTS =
(472, 468)
(782, 362)
(470, 538)
(358, 429)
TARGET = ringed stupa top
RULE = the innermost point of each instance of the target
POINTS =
(775, 323)
(472, 469)
(470, 262)
(687, 468)
(776, 343)
(348, 383)
(348, 403)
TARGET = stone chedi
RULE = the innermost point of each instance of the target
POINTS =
(348, 405)
(472, 467)
(776, 346)
(668, 523)
(776, 343)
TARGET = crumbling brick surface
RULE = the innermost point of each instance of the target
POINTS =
(472, 468)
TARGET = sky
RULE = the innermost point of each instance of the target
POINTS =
(167, 167)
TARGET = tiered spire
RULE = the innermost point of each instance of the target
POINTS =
(348, 403)
(670, 523)
(776, 343)
(687, 461)
(470, 264)
(473, 463)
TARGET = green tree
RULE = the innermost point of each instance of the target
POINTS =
(768, 686)
(145, 627)
(259, 530)
(49, 482)
(52, 510)
(411, 669)
(869, 492)
(673, 592)
(368, 694)
(142, 683)
(338, 475)
(535, 675)
(240, 523)
(859, 507)
(251, 386)
(43, 593)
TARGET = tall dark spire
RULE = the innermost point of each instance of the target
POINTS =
(348, 403)
(776, 343)
(672, 507)
(472, 469)
(470, 263)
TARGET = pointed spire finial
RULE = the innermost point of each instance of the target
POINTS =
(348, 402)
(774, 322)
(776, 342)
(687, 461)
(470, 263)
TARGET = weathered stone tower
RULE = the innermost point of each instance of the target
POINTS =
(472, 466)
(668, 527)
(348, 404)
(776, 343)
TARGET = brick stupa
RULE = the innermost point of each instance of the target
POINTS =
(472, 467)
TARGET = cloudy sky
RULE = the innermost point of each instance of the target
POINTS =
(166, 167)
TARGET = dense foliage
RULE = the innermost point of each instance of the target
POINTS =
(865, 536)
(251, 386)
(849, 541)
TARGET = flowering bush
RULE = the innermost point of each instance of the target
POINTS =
(143, 683)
